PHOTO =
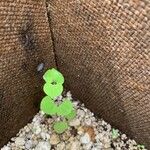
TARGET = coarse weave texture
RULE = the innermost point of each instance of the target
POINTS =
(25, 48)
(103, 49)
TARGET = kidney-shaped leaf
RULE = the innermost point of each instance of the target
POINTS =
(60, 127)
(52, 75)
(53, 90)
(48, 106)
(65, 108)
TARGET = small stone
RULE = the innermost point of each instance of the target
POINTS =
(66, 136)
(98, 146)
(75, 103)
(71, 139)
(88, 146)
(27, 130)
(88, 121)
(59, 98)
(106, 142)
(19, 141)
(74, 122)
(45, 135)
(81, 113)
(41, 113)
(94, 148)
(61, 146)
(40, 67)
(34, 142)
(6, 148)
(28, 136)
(54, 139)
(107, 145)
(123, 137)
(69, 95)
(80, 130)
(75, 145)
(85, 139)
(43, 146)
(28, 144)
(36, 129)
(13, 139)
(90, 131)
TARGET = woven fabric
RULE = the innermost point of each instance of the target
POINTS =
(25, 53)
(102, 48)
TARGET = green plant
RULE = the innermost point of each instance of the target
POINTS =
(54, 88)
(115, 133)
(141, 146)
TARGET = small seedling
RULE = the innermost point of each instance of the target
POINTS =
(141, 146)
(54, 88)
(115, 133)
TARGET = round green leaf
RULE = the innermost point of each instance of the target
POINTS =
(72, 115)
(48, 106)
(65, 108)
(53, 90)
(60, 127)
(52, 75)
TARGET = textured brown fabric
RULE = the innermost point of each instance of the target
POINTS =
(25, 42)
(102, 47)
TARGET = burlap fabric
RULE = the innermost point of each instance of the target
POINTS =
(103, 49)
(25, 48)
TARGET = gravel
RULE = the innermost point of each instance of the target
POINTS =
(86, 132)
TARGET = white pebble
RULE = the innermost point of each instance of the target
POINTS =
(85, 139)
(61, 146)
(59, 98)
(40, 67)
(54, 139)
(81, 113)
(74, 122)
(75, 103)
(28, 144)
(88, 122)
(43, 146)
(75, 145)
(69, 95)
(5, 148)
(36, 129)
(19, 141)
(88, 146)
(94, 148)
(44, 135)
(123, 136)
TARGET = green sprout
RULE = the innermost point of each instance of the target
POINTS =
(54, 88)
(141, 146)
(115, 133)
